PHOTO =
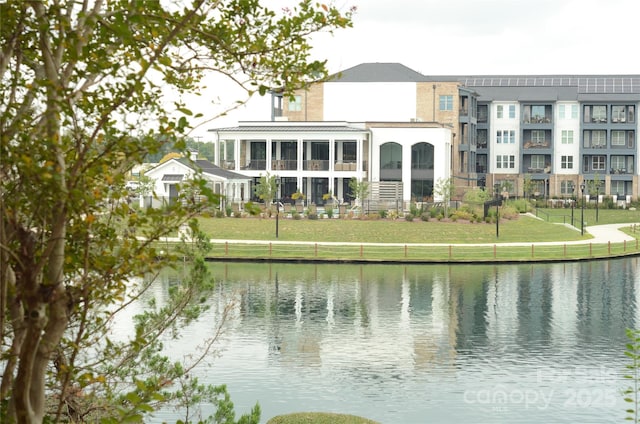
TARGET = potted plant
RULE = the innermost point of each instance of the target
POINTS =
(328, 198)
(298, 197)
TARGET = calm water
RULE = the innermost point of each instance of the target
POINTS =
(423, 344)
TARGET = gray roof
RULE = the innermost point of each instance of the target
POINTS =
(580, 84)
(378, 72)
(209, 168)
(290, 128)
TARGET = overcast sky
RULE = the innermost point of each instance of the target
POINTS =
(462, 37)
(479, 37)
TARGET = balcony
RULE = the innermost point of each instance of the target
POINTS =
(545, 170)
(344, 166)
(537, 144)
(537, 120)
(284, 165)
(316, 165)
(255, 165)
(619, 171)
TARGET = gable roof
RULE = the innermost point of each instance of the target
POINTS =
(209, 168)
(378, 72)
(202, 165)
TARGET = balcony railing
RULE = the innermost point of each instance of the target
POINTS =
(255, 164)
(284, 165)
(545, 170)
(537, 144)
(316, 165)
(620, 171)
(344, 166)
(537, 120)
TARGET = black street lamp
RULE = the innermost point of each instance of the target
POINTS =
(277, 181)
(573, 200)
(496, 189)
(582, 216)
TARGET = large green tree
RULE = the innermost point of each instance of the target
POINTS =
(84, 88)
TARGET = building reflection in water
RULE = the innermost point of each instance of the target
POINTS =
(355, 325)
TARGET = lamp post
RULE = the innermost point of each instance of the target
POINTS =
(573, 200)
(277, 181)
(582, 213)
(496, 189)
(597, 200)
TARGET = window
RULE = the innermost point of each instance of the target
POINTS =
(295, 104)
(561, 112)
(618, 138)
(598, 163)
(500, 111)
(483, 113)
(595, 114)
(482, 139)
(596, 139)
(566, 162)
(622, 114)
(617, 188)
(618, 114)
(537, 137)
(505, 136)
(618, 164)
(574, 111)
(446, 102)
(512, 111)
(391, 156)
(537, 161)
(505, 161)
(537, 113)
(599, 138)
(567, 187)
(567, 136)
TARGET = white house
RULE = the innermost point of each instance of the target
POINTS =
(233, 187)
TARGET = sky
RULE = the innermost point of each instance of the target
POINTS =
(476, 37)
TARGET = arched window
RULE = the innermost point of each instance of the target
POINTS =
(422, 156)
(391, 156)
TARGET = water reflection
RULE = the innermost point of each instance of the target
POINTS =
(439, 344)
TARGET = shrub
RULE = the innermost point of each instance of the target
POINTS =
(329, 213)
(383, 214)
(408, 217)
(462, 214)
(237, 214)
(312, 215)
(228, 210)
(415, 211)
(425, 217)
(220, 214)
(296, 215)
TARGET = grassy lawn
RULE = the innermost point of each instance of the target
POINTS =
(605, 216)
(400, 239)
(386, 231)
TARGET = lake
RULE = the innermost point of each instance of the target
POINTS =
(527, 343)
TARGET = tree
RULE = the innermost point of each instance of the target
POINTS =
(89, 89)
(445, 190)
(266, 188)
(528, 186)
(359, 190)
